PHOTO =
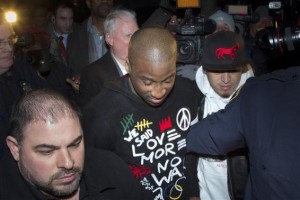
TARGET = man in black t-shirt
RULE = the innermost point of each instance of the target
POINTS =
(144, 117)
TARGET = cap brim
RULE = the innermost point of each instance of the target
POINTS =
(225, 66)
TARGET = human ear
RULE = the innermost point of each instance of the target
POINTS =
(108, 39)
(13, 146)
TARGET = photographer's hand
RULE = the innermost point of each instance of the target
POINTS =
(74, 82)
(161, 15)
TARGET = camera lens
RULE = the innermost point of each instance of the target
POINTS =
(279, 39)
(189, 49)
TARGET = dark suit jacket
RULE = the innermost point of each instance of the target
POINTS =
(77, 48)
(95, 75)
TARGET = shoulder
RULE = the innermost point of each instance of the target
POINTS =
(12, 185)
(96, 157)
(186, 87)
(273, 80)
(77, 27)
(106, 98)
(78, 31)
(20, 66)
(267, 89)
(102, 64)
(24, 71)
(182, 82)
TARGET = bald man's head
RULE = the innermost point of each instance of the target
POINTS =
(152, 64)
(152, 44)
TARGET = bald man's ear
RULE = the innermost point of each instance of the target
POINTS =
(13, 147)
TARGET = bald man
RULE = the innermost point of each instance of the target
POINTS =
(47, 157)
(144, 117)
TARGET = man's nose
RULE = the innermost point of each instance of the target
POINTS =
(65, 160)
(158, 91)
(226, 77)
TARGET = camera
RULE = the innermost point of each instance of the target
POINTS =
(190, 34)
(29, 48)
(242, 16)
(284, 35)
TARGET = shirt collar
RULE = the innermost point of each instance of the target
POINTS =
(91, 27)
(121, 67)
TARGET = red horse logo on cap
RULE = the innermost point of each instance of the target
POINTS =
(221, 52)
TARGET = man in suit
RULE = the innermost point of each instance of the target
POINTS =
(88, 44)
(119, 26)
(60, 28)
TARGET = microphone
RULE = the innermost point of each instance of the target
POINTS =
(254, 18)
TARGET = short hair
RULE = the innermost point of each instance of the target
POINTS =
(61, 4)
(40, 105)
(111, 18)
(144, 41)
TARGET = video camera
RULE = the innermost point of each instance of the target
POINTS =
(190, 32)
(242, 16)
(28, 49)
(284, 35)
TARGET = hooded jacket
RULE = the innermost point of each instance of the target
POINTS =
(212, 173)
(151, 140)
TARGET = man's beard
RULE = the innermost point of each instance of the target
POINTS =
(48, 188)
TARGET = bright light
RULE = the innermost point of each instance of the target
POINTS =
(11, 16)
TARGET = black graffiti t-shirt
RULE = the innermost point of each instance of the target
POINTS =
(152, 141)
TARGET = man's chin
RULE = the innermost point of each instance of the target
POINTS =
(62, 191)
(155, 103)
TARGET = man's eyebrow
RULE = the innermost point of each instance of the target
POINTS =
(151, 79)
(78, 139)
(46, 146)
(54, 147)
(170, 76)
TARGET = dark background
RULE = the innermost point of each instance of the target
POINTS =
(143, 8)
(132, 3)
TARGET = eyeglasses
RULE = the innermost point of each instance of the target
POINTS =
(9, 41)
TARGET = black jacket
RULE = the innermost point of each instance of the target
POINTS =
(265, 118)
(13, 84)
(94, 76)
